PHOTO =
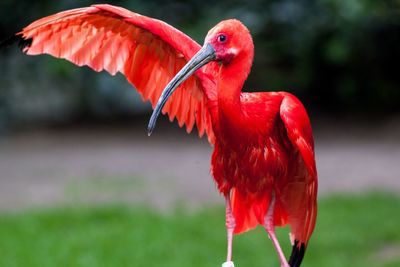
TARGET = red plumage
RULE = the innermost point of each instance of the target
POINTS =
(263, 159)
(277, 155)
(114, 39)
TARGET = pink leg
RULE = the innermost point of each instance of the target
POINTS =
(230, 227)
(270, 228)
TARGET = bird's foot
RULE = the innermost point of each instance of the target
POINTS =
(285, 264)
(228, 264)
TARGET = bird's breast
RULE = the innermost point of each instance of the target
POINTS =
(249, 167)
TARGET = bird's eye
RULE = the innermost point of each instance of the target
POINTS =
(222, 38)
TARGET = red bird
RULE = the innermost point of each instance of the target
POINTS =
(263, 159)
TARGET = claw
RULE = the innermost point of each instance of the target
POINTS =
(228, 264)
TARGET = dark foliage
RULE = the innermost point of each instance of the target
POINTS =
(339, 57)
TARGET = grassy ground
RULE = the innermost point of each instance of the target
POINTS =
(352, 231)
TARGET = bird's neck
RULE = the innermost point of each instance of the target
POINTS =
(229, 88)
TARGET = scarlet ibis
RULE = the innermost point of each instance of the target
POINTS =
(263, 161)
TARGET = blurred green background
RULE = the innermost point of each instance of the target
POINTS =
(82, 185)
(340, 57)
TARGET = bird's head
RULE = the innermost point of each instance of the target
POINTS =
(230, 39)
(227, 42)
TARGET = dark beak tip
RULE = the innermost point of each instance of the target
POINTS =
(150, 129)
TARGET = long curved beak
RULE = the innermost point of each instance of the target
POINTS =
(205, 55)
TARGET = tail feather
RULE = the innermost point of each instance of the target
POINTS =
(297, 255)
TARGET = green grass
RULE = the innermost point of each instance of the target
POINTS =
(361, 230)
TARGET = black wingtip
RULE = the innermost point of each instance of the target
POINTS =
(297, 255)
(24, 43)
(17, 38)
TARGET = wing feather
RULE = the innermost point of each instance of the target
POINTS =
(300, 195)
(147, 51)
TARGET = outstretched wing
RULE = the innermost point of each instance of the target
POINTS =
(147, 51)
(301, 193)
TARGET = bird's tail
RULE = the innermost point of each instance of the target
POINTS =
(297, 255)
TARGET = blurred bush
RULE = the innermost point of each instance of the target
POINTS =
(338, 56)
